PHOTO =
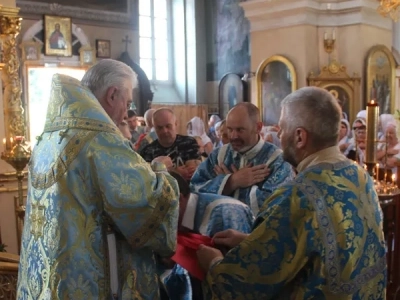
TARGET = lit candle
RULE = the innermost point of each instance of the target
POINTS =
(4, 142)
(372, 131)
(393, 178)
(377, 172)
(11, 141)
(325, 36)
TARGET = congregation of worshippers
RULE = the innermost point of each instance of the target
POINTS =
(200, 150)
(121, 206)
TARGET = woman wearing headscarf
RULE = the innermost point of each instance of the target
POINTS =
(384, 121)
(195, 127)
(388, 153)
(269, 134)
(356, 149)
(344, 135)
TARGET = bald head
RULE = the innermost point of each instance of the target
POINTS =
(247, 108)
(164, 122)
(148, 117)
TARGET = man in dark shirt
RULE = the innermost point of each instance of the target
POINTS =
(170, 147)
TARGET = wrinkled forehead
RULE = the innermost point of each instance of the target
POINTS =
(238, 120)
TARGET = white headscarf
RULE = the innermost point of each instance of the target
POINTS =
(198, 129)
(362, 114)
(385, 120)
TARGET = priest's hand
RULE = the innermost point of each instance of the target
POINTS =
(221, 170)
(229, 238)
(208, 256)
(249, 176)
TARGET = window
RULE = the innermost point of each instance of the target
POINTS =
(39, 83)
(154, 41)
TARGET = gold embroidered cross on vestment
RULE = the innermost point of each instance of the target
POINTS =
(37, 220)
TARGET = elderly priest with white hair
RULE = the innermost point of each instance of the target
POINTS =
(84, 179)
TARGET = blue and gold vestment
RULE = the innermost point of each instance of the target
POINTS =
(205, 180)
(319, 237)
(84, 178)
(207, 214)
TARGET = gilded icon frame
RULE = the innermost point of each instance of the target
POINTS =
(87, 55)
(380, 66)
(262, 102)
(57, 36)
(31, 51)
(103, 48)
(335, 79)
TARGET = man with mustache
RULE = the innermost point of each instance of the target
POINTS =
(247, 168)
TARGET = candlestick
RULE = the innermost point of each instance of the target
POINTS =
(325, 36)
(372, 132)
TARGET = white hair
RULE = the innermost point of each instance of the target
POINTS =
(107, 73)
(315, 110)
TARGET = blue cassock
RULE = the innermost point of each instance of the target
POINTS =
(205, 179)
(207, 214)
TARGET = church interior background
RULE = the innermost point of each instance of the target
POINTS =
(199, 56)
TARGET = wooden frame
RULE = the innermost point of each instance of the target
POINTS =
(344, 88)
(103, 48)
(271, 89)
(31, 51)
(231, 91)
(58, 36)
(380, 74)
(87, 55)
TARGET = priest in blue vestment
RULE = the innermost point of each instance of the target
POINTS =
(247, 169)
(317, 237)
(84, 181)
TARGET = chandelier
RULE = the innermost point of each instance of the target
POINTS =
(389, 8)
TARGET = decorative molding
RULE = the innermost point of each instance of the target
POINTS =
(40, 8)
(264, 15)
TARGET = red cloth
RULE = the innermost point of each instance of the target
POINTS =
(139, 140)
(185, 255)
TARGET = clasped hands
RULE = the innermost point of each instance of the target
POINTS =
(185, 171)
(224, 240)
(244, 177)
